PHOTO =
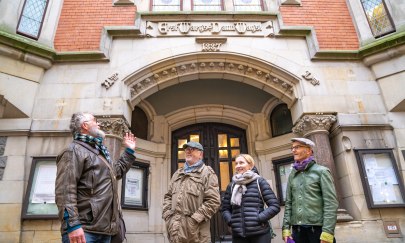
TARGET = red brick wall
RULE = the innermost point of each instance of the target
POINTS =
(331, 20)
(81, 22)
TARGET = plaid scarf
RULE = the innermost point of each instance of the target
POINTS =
(96, 142)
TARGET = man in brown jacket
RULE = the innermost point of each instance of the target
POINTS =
(192, 199)
(86, 183)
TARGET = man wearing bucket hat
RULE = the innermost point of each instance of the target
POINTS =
(192, 199)
(311, 202)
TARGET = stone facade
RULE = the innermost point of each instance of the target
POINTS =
(345, 94)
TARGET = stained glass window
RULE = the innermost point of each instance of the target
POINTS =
(32, 17)
(378, 17)
(166, 5)
(248, 5)
(207, 5)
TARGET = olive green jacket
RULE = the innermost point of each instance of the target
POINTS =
(192, 199)
(311, 199)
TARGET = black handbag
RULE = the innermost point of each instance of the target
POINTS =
(120, 236)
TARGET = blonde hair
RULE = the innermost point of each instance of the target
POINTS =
(248, 159)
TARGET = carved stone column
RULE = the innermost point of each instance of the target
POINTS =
(316, 127)
(115, 127)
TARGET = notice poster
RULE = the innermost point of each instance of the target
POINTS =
(44, 188)
(133, 186)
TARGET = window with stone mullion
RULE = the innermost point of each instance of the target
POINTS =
(31, 18)
(207, 5)
(248, 5)
(378, 17)
(166, 5)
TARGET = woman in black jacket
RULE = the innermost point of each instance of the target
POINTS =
(243, 204)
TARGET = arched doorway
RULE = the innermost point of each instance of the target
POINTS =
(222, 143)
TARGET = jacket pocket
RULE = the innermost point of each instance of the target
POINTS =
(94, 212)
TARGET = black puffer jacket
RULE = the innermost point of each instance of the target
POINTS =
(250, 218)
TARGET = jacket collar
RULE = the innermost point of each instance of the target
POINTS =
(306, 168)
(87, 146)
(194, 173)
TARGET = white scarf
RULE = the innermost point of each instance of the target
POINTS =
(240, 181)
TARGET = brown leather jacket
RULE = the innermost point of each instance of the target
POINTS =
(189, 204)
(86, 187)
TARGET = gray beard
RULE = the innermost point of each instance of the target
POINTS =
(97, 133)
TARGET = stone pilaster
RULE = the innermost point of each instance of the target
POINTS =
(115, 128)
(316, 127)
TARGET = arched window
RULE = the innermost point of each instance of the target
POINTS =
(280, 120)
(139, 123)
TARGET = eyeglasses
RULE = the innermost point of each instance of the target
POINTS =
(297, 146)
(190, 149)
(94, 119)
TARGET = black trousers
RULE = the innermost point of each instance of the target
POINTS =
(307, 234)
(265, 238)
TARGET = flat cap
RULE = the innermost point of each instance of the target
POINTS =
(193, 144)
(305, 141)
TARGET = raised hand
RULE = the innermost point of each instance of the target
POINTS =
(130, 140)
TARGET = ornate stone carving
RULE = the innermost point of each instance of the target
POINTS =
(309, 77)
(110, 81)
(3, 162)
(309, 123)
(3, 141)
(139, 87)
(251, 71)
(117, 126)
(3, 159)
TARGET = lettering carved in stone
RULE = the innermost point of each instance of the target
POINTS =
(211, 46)
(309, 77)
(198, 28)
(110, 81)
(310, 123)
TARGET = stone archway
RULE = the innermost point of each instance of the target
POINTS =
(239, 68)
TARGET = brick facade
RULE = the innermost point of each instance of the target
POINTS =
(331, 20)
(81, 23)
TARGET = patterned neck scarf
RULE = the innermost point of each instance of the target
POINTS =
(96, 142)
(189, 168)
(301, 165)
(240, 181)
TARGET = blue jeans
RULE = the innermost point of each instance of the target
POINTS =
(90, 238)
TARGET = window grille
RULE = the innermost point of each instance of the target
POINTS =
(248, 5)
(207, 5)
(167, 5)
(378, 17)
(32, 17)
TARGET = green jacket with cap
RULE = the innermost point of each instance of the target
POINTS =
(192, 199)
(311, 198)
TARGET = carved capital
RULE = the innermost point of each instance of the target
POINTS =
(314, 123)
(116, 126)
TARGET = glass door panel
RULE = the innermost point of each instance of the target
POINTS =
(222, 143)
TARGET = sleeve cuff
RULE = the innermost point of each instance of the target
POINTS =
(70, 228)
(327, 237)
(197, 217)
(130, 151)
(286, 233)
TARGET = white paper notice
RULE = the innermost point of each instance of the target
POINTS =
(44, 190)
(133, 186)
